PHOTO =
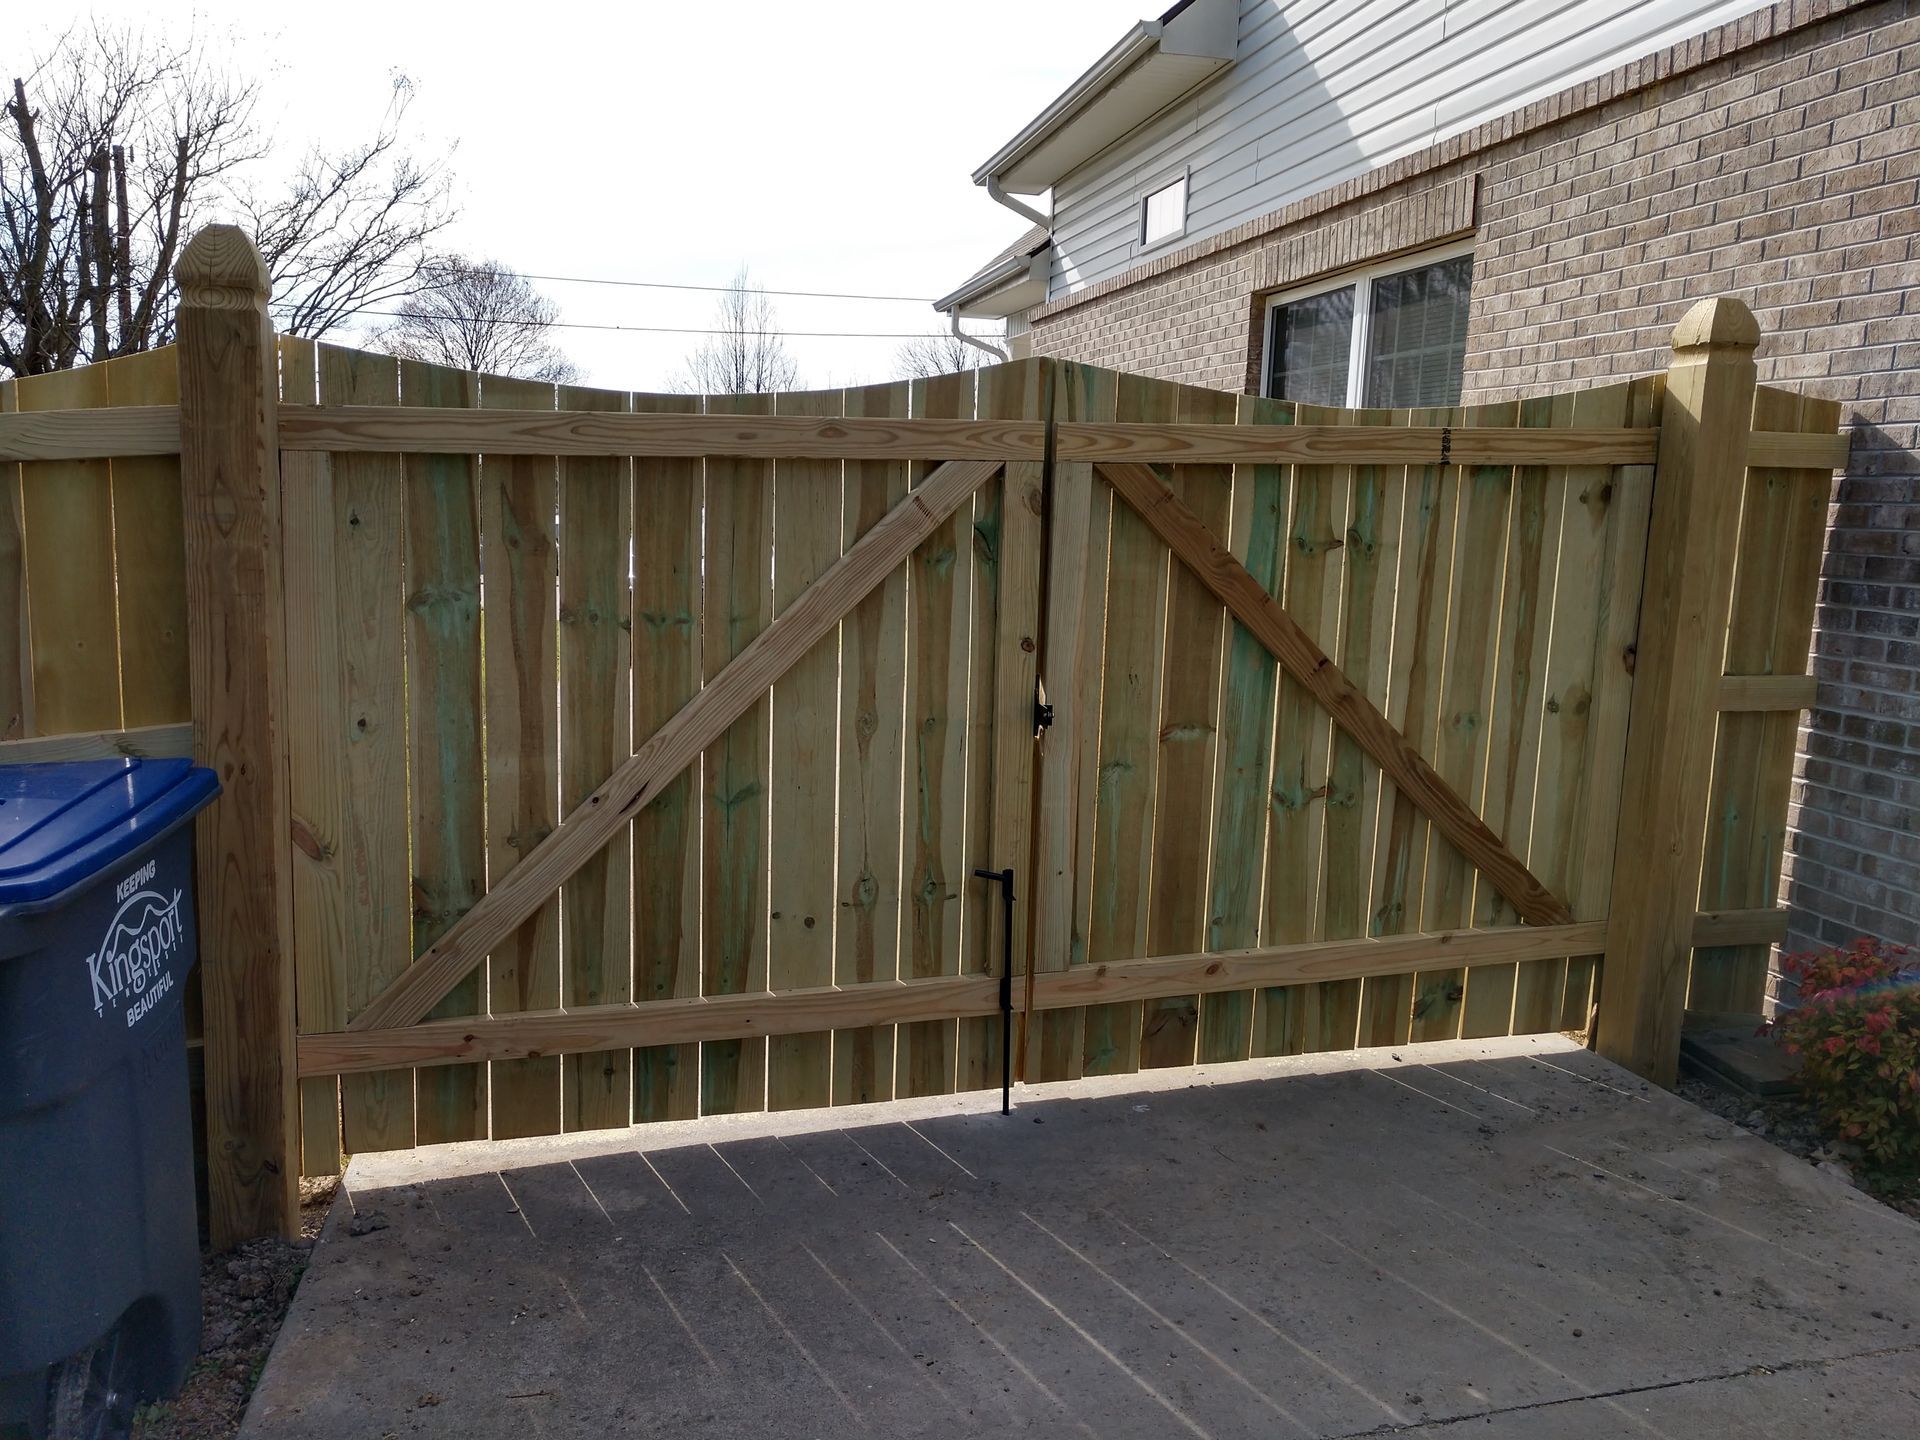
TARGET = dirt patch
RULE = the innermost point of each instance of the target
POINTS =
(244, 1295)
(1791, 1124)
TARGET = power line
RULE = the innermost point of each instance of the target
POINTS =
(707, 289)
(673, 329)
(727, 289)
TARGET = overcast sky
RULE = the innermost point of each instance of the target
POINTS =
(827, 146)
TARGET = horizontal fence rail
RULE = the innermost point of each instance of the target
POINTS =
(348, 429)
(729, 1017)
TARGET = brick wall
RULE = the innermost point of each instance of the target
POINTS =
(1777, 159)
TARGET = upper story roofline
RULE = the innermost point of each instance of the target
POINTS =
(1152, 65)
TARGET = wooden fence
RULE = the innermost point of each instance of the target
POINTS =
(595, 757)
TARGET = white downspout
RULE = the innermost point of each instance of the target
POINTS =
(1019, 207)
(953, 318)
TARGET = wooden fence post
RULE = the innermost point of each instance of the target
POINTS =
(1705, 423)
(230, 483)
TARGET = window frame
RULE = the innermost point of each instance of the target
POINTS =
(1182, 177)
(1360, 279)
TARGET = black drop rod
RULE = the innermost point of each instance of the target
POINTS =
(1005, 877)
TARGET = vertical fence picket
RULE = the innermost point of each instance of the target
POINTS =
(149, 539)
(1460, 753)
(1369, 556)
(519, 564)
(1189, 730)
(317, 738)
(446, 764)
(1287, 1019)
(1623, 582)
(1071, 669)
(1403, 834)
(596, 650)
(369, 525)
(16, 651)
(739, 604)
(67, 520)
(939, 589)
(807, 529)
(873, 679)
(667, 867)
(1519, 665)
(1002, 760)
(1243, 786)
(1138, 569)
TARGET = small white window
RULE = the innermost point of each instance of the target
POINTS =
(1392, 335)
(1163, 213)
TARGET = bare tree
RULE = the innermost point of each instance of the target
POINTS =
(116, 146)
(479, 315)
(941, 353)
(746, 354)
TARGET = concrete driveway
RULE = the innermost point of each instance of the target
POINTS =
(1491, 1238)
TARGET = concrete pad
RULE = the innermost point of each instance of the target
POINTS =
(1507, 1234)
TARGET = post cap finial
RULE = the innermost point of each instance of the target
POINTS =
(1720, 323)
(222, 270)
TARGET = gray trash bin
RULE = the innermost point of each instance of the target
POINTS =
(99, 1246)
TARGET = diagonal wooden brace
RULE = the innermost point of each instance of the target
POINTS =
(674, 745)
(1269, 623)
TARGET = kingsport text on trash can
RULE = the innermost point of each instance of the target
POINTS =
(99, 1250)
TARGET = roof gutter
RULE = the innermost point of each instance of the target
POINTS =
(1019, 207)
(1136, 43)
(953, 319)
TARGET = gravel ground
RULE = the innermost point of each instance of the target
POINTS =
(244, 1295)
(1791, 1124)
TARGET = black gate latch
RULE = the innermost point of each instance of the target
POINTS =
(1042, 711)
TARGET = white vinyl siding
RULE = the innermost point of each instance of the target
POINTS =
(1322, 90)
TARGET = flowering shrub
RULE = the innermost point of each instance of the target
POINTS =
(1857, 1031)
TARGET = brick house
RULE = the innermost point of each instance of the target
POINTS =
(1424, 202)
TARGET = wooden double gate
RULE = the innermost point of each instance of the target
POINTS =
(597, 757)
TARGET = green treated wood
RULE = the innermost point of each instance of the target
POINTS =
(1071, 655)
(1622, 577)
(807, 530)
(1245, 748)
(1486, 495)
(149, 554)
(1138, 568)
(1006, 604)
(1404, 836)
(16, 658)
(1518, 708)
(446, 763)
(873, 678)
(1289, 1019)
(1776, 579)
(667, 648)
(596, 656)
(939, 587)
(67, 524)
(739, 605)
(1370, 562)
(1189, 728)
(520, 560)
(377, 1111)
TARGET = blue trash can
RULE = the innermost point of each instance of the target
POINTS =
(99, 1246)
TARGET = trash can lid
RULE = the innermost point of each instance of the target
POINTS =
(61, 823)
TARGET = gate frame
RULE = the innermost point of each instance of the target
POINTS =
(228, 430)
